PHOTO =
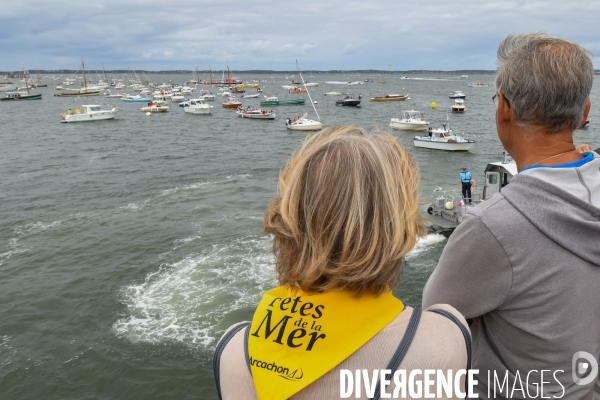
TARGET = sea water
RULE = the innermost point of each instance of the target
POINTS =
(127, 247)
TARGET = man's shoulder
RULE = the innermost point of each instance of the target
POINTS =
(496, 204)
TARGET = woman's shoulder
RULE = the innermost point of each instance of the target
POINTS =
(440, 315)
(438, 342)
(234, 377)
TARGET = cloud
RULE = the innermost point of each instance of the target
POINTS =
(334, 34)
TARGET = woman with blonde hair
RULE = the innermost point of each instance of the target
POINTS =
(345, 218)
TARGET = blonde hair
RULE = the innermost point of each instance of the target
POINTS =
(347, 212)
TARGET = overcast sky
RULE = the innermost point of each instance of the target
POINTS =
(325, 34)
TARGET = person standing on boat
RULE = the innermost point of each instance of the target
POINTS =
(465, 179)
(525, 264)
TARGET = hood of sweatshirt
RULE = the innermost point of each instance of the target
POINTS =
(569, 221)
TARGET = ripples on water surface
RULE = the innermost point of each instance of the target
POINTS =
(128, 246)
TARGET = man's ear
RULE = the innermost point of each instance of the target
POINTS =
(504, 113)
(586, 111)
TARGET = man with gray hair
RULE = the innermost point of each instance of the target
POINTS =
(525, 265)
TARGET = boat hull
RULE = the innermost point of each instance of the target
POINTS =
(309, 125)
(68, 93)
(155, 109)
(197, 110)
(270, 116)
(282, 102)
(409, 126)
(442, 145)
(97, 116)
(24, 97)
(386, 99)
(348, 103)
(142, 100)
(231, 105)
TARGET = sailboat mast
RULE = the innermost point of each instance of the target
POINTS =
(307, 92)
(105, 77)
(211, 78)
(83, 72)
(25, 77)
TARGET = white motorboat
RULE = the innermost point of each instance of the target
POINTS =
(250, 96)
(88, 113)
(411, 120)
(449, 140)
(311, 84)
(207, 95)
(186, 90)
(177, 97)
(288, 87)
(156, 106)
(333, 94)
(303, 124)
(256, 113)
(457, 95)
(197, 106)
(458, 106)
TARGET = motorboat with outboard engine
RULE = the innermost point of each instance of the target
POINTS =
(411, 120)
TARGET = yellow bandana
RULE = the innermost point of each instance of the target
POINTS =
(295, 338)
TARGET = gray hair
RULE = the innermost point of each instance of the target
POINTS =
(546, 80)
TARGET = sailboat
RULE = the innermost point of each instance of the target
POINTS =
(38, 82)
(21, 95)
(304, 123)
(84, 91)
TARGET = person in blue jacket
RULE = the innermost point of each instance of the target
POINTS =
(465, 178)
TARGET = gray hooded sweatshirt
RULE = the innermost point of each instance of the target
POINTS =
(526, 266)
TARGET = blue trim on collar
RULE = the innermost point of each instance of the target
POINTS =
(574, 164)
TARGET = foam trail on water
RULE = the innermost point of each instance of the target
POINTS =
(186, 301)
(425, 243)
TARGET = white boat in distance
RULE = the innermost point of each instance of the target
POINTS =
(411, 120)
(447, 140)
(90, 113)
(333, 94)
(197, 106)
(458, 106)
(156, 106)
(457, 95)
(256, 113)
(288, 87)
(304, 124)
(250, 96)
(207, 95)
(478, 84)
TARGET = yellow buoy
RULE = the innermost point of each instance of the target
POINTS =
(433, 105)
